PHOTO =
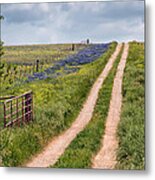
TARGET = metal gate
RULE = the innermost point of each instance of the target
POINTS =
(17, 110)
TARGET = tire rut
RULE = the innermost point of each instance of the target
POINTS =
(106, 157)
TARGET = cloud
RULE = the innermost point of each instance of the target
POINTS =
(68, 22)
(44, 7)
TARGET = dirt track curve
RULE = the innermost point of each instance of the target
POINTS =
(106, 157)
(57, 146)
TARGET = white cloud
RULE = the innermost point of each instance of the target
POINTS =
(67, 22)
(86, 6)
(44, 7)
(14, 7)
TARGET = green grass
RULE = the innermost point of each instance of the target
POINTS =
(56, 105)
(46, 53)
(82, 149)
(13, 70)
(131, 128)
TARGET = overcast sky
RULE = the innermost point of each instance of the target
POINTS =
(43, 23)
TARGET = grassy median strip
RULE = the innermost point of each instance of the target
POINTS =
(131, 127)
(80, 152)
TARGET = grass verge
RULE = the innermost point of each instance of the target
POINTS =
(82, 149)
(131, 127)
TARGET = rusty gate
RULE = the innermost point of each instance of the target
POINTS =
(17, 110)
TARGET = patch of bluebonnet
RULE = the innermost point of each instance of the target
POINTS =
(84, 56)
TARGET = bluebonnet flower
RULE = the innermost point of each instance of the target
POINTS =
(84, 56)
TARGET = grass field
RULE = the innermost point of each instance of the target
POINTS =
(57, 102)
(60, 89)
(19, 62)
(46, 53)
(131, 132)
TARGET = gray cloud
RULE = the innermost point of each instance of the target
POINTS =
(21, 13)
(67, 22)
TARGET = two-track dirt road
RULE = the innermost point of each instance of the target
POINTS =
(57, 146)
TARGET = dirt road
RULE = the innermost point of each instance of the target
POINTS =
(57, 146)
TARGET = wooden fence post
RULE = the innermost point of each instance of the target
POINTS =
(37, 65)
(88, 41)
(73, 47)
